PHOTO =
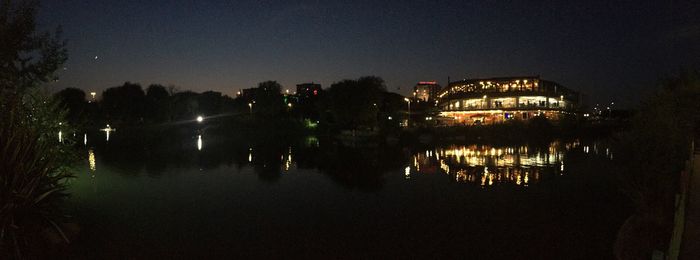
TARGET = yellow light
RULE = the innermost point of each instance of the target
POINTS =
(91, 160)
(526, 179)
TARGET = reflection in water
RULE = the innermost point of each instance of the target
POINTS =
(85, 139)
(91, 161)
(60, 137)
(311, 141)
(288, 161)
(488, 165)
(108, 130)
(355, 167)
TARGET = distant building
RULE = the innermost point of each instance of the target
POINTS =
(308, 94)
(426, 91)
(308, 90)
(495, 100)
(248, 93)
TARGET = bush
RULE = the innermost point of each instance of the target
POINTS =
(33, 173)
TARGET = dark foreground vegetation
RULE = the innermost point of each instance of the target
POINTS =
(34, 165)
(653, 152)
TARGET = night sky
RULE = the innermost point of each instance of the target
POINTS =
(607, 50)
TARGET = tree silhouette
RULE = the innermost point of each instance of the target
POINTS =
(157, 103)
(72, 99)
(27, 58)
(124, 103)
(268, 99)
(355, 103)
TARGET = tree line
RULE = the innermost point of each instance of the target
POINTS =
(362, 103)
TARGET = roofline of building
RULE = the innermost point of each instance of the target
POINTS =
(499, 78)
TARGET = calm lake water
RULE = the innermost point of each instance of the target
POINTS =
(206, 197)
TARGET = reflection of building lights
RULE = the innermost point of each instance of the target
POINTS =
(288, 162)
(493, 165)
(91, 161)
(526, 179)
(407, 172)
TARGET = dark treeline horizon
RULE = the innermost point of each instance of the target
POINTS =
(362, 103)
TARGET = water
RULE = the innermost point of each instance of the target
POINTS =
(202, 196)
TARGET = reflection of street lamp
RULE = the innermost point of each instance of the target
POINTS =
(409, 111)
(250, 106)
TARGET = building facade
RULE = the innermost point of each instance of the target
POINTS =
(496, 100)
(426, 91)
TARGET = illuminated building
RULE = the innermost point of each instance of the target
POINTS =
(426, 91)
(495, 100)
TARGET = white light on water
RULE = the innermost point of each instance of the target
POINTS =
(107, 130)
(407, 172)
(85, 139)
(199, 142)
(60, 137)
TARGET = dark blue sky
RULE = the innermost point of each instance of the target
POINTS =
(607, 50)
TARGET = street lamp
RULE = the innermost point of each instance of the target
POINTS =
(200, 119)
(409, 111)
